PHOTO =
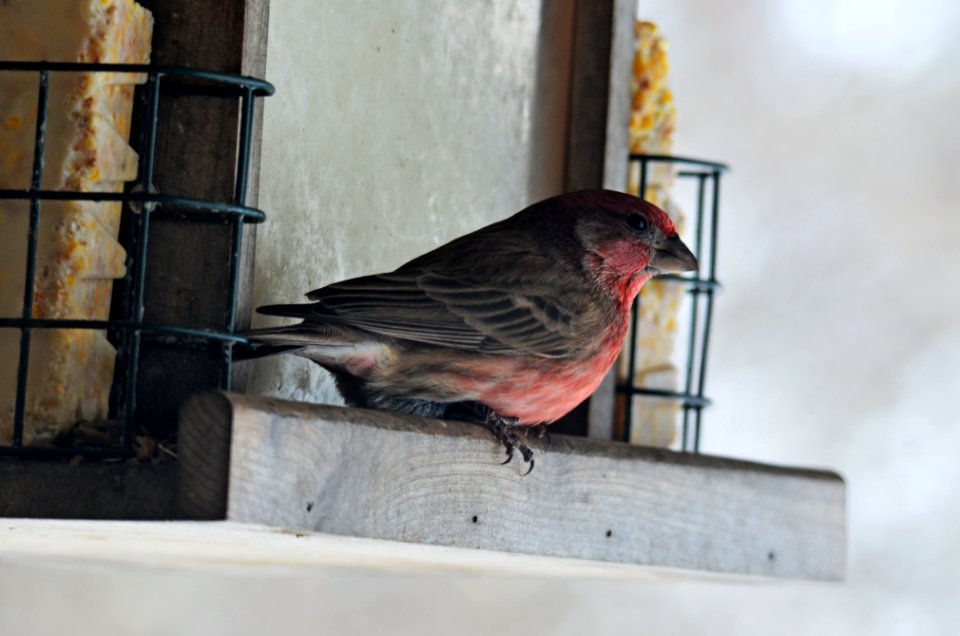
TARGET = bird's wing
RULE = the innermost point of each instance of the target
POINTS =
(440, 310)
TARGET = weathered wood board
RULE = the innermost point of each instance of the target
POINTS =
(371, 474)
(61, 489)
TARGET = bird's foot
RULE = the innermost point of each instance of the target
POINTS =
(505, 429)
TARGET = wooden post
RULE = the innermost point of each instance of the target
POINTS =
(377, 475)
(598, 142)
(187, 280)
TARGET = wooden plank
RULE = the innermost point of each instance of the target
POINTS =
(619, 94)
(187, 273)
(371, 474)
(190, 544)
(589, 93)
(61, 489)
(600, 94)
(204, 457)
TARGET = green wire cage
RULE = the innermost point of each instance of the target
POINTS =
(143, 202)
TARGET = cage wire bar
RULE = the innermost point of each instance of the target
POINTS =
(143, 202)
(704, 283)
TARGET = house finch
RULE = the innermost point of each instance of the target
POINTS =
(510, 326)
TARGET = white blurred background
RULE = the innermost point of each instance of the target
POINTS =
(837, 336)
(838, 332)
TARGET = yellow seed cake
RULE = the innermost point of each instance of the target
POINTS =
(87, 150)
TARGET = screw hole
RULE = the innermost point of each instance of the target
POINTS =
(474, 518)
(609, 533)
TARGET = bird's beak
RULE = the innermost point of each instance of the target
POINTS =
(671, 256)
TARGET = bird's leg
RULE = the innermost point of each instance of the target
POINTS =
(540, 430)
(503, 428)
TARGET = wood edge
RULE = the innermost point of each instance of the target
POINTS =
(589, 95)
(256, 22)
(205, 436)
(256, 26)
(553, 444)
(619, 98)
(187, 544)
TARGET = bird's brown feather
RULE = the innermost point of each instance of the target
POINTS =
(537, 308)
(434, 309)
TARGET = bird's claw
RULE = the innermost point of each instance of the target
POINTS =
(505, 429)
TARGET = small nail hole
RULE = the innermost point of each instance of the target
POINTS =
(609, 533)
(474, 518)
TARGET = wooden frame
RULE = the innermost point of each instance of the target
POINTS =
(369, 474)
(379, 476)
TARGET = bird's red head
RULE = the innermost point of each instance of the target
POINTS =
(620, 205)
(624, 239)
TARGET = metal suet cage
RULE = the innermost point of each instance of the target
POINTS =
(701, 287)
(143, 201)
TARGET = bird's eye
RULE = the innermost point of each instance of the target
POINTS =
(637, 222)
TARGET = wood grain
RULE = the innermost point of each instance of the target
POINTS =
(204, 456)
(370, 474)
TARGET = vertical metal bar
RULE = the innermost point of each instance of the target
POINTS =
(701, 180)
(708, 318)
(630, 388)
(119, 397)
(243, 153)
(643, 178)
(696, 427)
(694, 311)
(714, 230)
(140, 260)
(23, 363)
(240, 196)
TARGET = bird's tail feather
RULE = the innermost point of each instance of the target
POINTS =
(290, 310)
(318, 342)
(256, 350)
(263, 343)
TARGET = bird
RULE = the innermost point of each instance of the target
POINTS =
(510, 326)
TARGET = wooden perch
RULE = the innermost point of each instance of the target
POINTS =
(372, 474)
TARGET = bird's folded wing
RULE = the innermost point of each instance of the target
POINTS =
(439, 310)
